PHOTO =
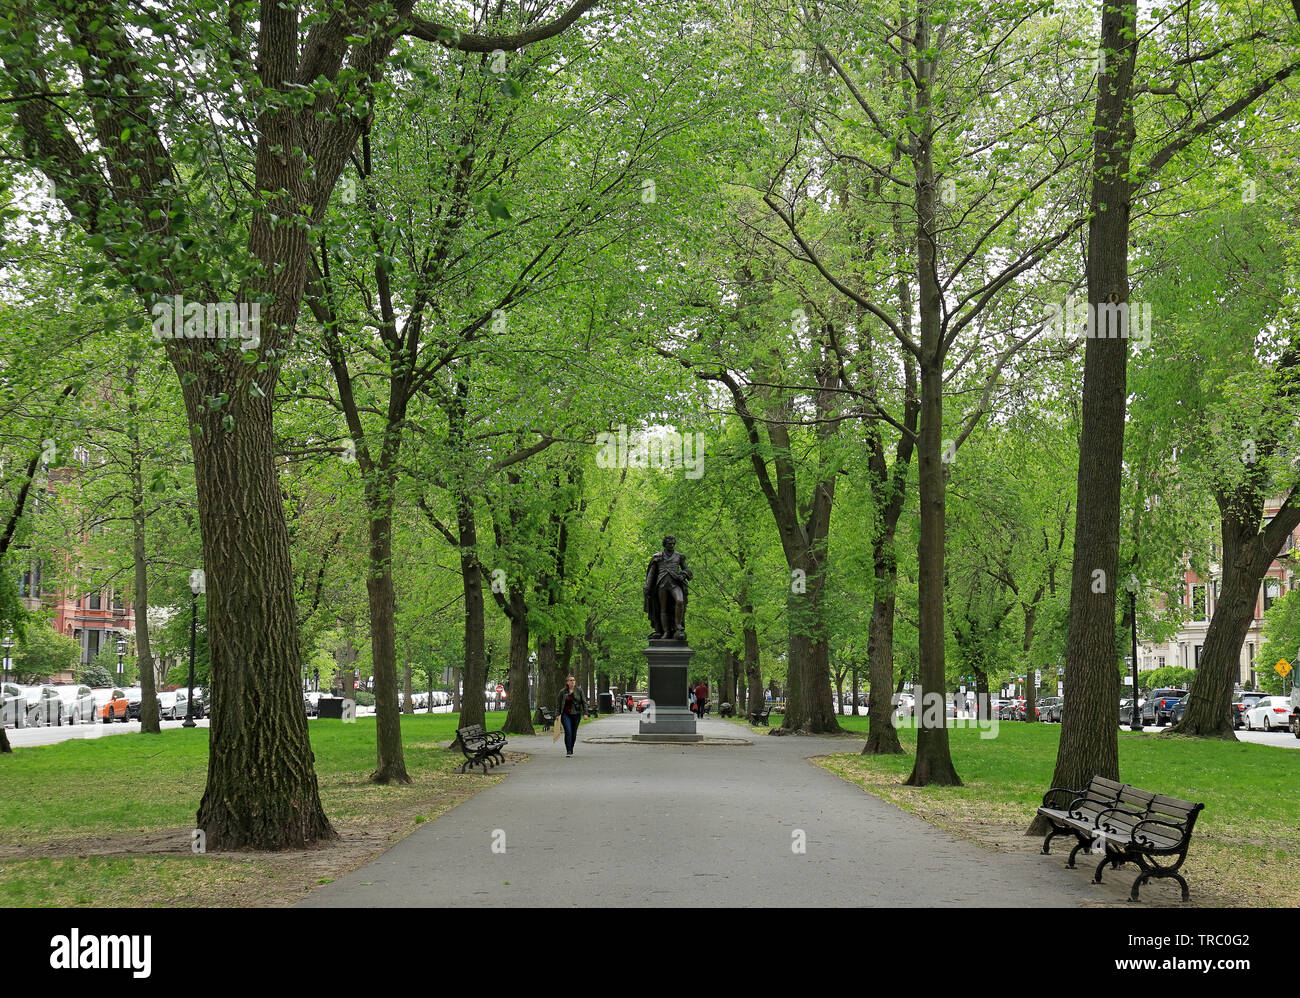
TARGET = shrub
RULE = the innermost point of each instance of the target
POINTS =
(96, 676)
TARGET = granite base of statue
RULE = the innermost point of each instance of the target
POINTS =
(670, 719)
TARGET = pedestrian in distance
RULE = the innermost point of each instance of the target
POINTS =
(701, 698)
(569, 706)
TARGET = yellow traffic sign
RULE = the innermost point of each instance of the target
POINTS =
(1283, 668)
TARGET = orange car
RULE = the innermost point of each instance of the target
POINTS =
(110, 705)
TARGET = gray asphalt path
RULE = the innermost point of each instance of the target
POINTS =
(650, 826)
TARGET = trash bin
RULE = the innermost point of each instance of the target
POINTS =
(330, 707)
(606, 703)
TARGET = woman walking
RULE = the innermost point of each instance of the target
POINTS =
(569, 707)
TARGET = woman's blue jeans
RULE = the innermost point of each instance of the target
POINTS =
(570, 722)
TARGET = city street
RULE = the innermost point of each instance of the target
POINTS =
(27, 737)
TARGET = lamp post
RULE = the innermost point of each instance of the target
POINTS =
(1136, 722)
(121, 650)
(8, 647)
(196, 587)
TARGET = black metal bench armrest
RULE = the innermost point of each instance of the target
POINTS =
(1074, 794)
(1181, 829)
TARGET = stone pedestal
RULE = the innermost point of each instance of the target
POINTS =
(669, 663)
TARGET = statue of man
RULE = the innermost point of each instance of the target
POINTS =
(665, 592)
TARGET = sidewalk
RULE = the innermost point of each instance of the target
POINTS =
(646, 826)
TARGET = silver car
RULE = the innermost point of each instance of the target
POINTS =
(13, 706)
(78, 704)
(44, 706)
(181, 707)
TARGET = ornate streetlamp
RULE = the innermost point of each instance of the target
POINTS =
(1136, 723)
(196, 586)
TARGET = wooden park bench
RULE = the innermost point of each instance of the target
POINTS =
(481, 747)
(761, 716)
(1123, 824)
(545, 717)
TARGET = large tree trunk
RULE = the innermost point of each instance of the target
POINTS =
(982, 711)
(519, 719)
(882, 736)
(889, 487)
(753, 673)
(472, 705)
(548, 680)
(390, 766)
(1247, 555)
(808, 696)
(149, 720)
(1089, 735)
(933, 756)
(261, 791)
(1031, 687)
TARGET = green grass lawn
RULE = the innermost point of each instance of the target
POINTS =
(107, 820)
(1239, 853)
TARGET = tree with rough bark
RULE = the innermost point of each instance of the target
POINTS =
(1176, 100)
(179, 205)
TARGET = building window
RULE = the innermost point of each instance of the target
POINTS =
(92, 645)
(1198, 602)
(94, 602)
(1196, 656)
(1272, 590)
(29, 583)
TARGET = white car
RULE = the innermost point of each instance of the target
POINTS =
(181, 707)
(78, 704)
(1270, 713)
(44, 706)
(167, 706)
(13, 706)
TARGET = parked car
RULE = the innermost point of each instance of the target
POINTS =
(311, 703)
(180, 710)
(13, 706)
(1126, 711)
(1242, 701)
(905, 704)
(1158, 707)
(110, 705)
(167, 702)
(78, 703)
(1049, 709)
(134, 694)
(44, 706)
(1269, 713)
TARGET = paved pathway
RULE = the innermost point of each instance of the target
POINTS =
(641, 825)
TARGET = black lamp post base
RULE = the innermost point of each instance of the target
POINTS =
(189, 723)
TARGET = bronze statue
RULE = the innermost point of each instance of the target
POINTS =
(665, 592)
